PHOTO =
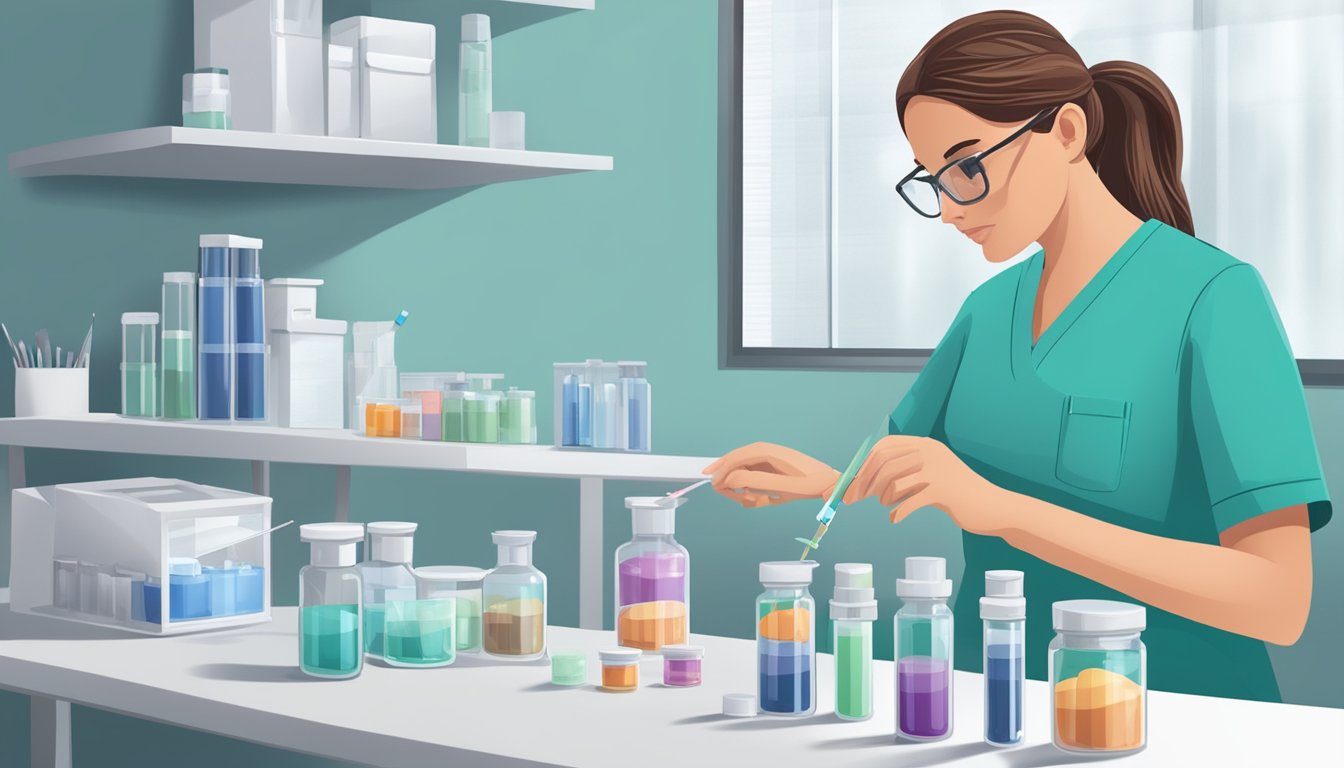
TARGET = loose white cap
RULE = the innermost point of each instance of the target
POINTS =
(140, 318)
(653, 515)
(179, 277)
(739, 705)
(1099, 617)
(333, 544)
(680, 652)
(391, 542)
(853, 598)
(925, 577)
(462, 574)
(619, 657)
(475, 28)
(1003, 600)
(787, 573)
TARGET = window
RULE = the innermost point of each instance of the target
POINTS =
(824, 267)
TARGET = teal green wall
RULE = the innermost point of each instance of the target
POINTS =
(510, 278)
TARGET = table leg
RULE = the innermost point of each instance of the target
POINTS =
(17, 477)
(342, 512)
(50, 733)
(261, 478)
(591, 557)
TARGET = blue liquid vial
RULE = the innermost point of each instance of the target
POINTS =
(1004, 611)
(786, 640)
(249, 334)
(214, 364)
(569, 403)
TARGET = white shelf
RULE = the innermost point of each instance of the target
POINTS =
(116, 434)
(244, 683)
(201, 153)
(577, 5)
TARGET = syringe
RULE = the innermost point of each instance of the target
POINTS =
(827, 512)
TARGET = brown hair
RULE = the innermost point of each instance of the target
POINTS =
(1007, 66)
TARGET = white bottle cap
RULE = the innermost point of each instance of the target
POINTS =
(683, 652)
(739, 705)
(787, 573)
(140, 318)
(1099, 617)
(457, 574)
(333, 544)
(619, 657)
(853, 599)
(475, 28)
(925, 577)
(1003, 600)
(179, 277)
(391, 542)
(653, 515)
(514, 547)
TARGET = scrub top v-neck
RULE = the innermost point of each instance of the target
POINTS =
(1164, 399)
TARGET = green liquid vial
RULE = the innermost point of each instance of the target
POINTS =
(853, 610)
(331, 631)
(219, 120)
(178, 354)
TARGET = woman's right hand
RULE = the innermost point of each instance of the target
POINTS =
(761, 474)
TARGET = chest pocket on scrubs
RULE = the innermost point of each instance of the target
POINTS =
(1092, 438)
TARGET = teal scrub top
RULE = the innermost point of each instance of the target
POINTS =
(1164, 399)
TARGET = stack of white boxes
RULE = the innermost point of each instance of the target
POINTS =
(380, 80)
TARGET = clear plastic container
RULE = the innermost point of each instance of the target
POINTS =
(179, 347)
(653, 606)
(462, 585)
(620, 669)
(421, 633)
(390, 417)
(683, 665)
(455, 415)
(481, 414)
(214, 362)
(518, 417)
(786, 639)
(387, 576)
(514, 620)
(853, 611)
(331, 644)
(249, 334)
(569, 668)
(1099, 675)
(429, 389)
(139, 364)
(474, 82)
(1003, 610)
(923, 629)
(206, 101)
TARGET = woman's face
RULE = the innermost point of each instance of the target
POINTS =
(1027, 178)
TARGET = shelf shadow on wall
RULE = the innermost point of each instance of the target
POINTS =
(309, 224)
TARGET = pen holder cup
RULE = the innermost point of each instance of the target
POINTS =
(51, 392)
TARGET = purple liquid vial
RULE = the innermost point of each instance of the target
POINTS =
(921, 697)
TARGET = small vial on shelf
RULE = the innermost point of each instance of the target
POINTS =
(620, 668)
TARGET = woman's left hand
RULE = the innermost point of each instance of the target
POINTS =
(908, 473)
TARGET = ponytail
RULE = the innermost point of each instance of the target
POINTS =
(1136, 145)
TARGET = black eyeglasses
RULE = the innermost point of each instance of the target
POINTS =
(963, 181)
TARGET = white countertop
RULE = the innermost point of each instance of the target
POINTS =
(244, 683)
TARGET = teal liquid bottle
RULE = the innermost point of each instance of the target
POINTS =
(853, 611)
(474, 82)
(331, 642)
(387, 579)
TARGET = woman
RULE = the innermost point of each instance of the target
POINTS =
(1119, 416)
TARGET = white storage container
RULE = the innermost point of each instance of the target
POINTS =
(273, 52)
(392, 93)
(147, 554)
(307, 356)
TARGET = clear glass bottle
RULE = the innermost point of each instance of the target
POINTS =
(179, 348)
(653, 583)
(474, 82)
(1099, 675)
(388, 577)
(249, 366)
(330, 628)
(1003, 610)
(514, 620)
(786, 639)
(853, 611)
(924, 651)
(139, 366)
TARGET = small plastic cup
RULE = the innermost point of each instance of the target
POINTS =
(620, 669)
(682, 665)
(568, 668)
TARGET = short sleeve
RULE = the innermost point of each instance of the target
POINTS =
(920, 412)
(1247, 406)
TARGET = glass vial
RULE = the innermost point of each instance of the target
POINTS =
(924, 651)
(214, 360)
(653, 606)
(474, 102)
(387, 576)
(853, 611)
(139, 366)
(785, 639)
(330, 628)
(206, 102)
(249, 334)
(1099, 676)
(1003, 610)
(179, 345)
(514, 622)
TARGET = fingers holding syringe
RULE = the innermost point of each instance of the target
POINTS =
(881, 471)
